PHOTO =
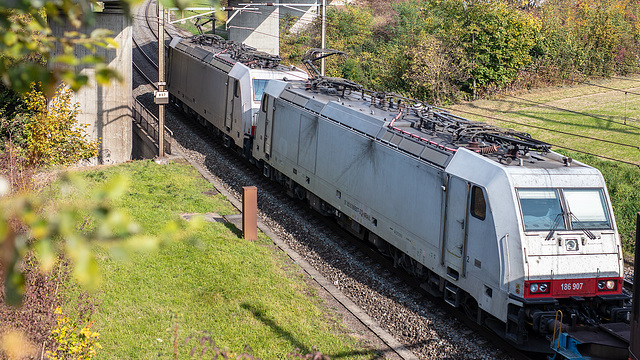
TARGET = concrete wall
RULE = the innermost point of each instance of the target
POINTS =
(261, 28)
(257, 28)
(107, 109)
(307, 14)
(144, 147)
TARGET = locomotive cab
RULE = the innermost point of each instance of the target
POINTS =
(569, 231)
(221, 90)
(557, 254)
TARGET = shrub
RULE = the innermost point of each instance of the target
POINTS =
(73, 339)
(54, 135)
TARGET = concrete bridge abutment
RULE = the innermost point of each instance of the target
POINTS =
(107, 109)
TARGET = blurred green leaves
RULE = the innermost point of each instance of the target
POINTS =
(71, 226)
(30, 52)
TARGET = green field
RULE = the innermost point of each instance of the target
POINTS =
(240, 293)
(556, 114)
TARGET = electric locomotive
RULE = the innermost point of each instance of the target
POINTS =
(522, 238)
(220, 83)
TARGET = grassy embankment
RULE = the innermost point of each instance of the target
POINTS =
(242, 293)
(609, 110)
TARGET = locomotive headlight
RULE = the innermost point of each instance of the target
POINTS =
(606, 284)
(611, 284)
(539, 288)
(572, 244)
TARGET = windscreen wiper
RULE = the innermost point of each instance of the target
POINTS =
(581, 226)
(555, 225)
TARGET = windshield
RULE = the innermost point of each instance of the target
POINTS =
(587, 207)
(541, 209)
(258, 88)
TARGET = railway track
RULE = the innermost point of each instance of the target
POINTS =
(388, 295)
(148, 34)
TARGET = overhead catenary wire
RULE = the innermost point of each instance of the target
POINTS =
(547, 129)
(626, 91)
(301, 20)
(281, 16)
(625, 78)
(604, 87)
(578, 112)
(557, 131)
(538, 103)
(596, 155)
(525, 69)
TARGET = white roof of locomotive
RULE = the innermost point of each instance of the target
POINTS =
(356, 112)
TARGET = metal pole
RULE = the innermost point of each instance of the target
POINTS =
(161, 81)
(324, 33)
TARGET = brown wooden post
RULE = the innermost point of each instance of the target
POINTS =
(250, 213)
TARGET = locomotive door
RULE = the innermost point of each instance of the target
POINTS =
(268, 124)
(233, 95)
(455, 225)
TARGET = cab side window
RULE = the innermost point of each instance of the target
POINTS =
(478, 203)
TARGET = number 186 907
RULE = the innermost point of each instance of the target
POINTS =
(571, 286)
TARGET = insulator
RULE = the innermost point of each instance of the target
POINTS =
(488, 149)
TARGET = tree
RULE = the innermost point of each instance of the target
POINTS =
(496, 39)
(435, 70)
(349, 30)
(599, 37)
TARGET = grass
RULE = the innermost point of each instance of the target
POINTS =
(583, 110)
(241, 293)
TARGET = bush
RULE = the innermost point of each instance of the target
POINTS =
(35, 318)
(592, 38)
(74, 339)
(54, 135)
